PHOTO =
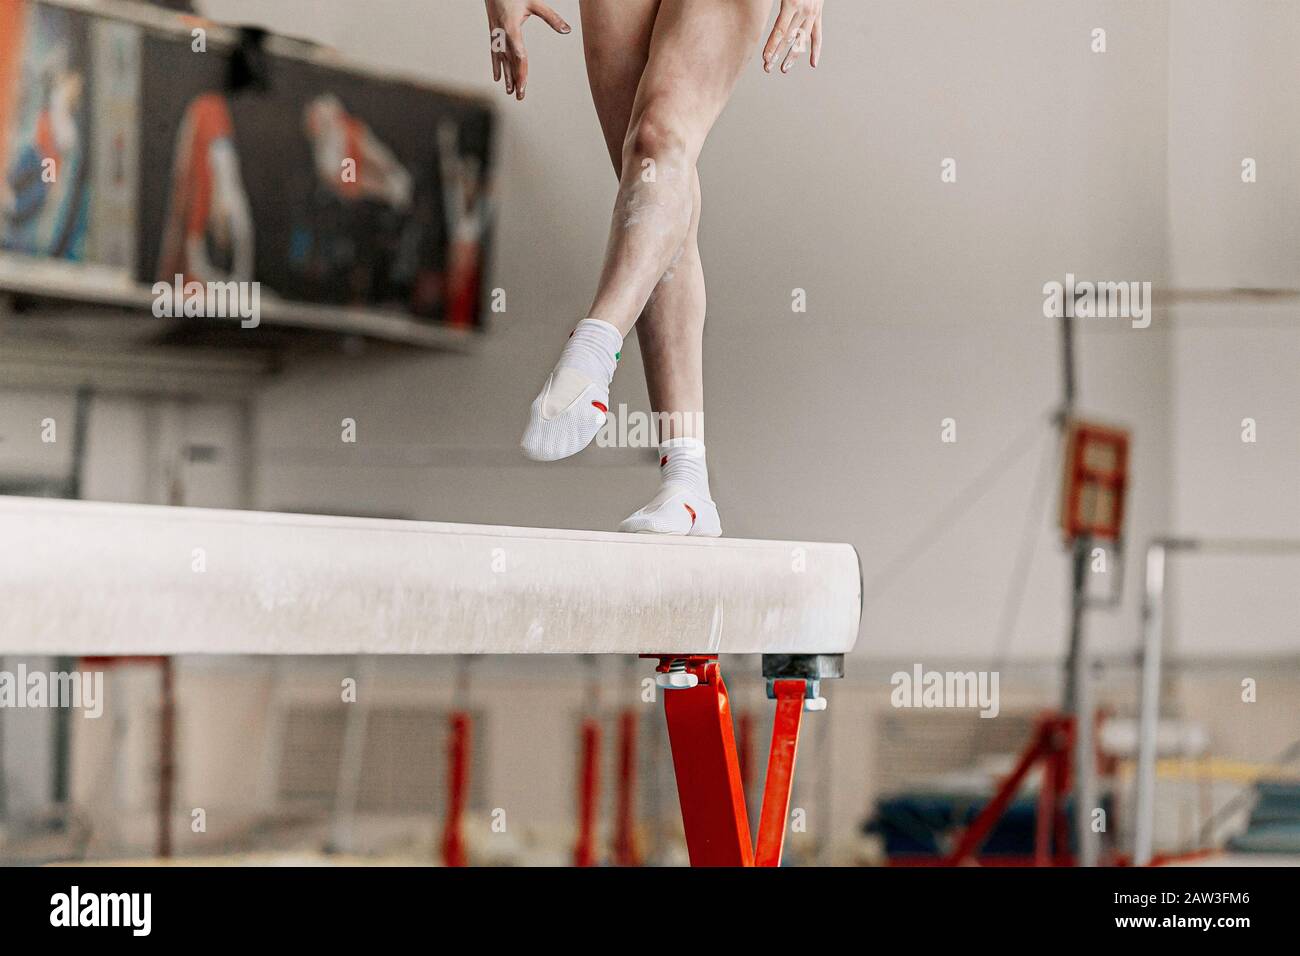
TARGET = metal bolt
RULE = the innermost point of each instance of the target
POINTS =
(677, 677)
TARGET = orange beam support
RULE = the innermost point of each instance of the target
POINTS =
(710, 784)
(709, 787)
(780, 771)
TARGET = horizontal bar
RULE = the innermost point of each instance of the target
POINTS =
(1264, 546)
(89, 578)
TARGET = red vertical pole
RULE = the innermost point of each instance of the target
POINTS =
(1045, 818)
(584, 852)
(166, 756)
(1063, 755)
(780, 771)
(708, 773)
(625, 849)
(453, 841)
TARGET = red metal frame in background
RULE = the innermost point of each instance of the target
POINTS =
(1051, 743)
(166, 753)
(625, 849)
(584, 851)
(1080, 475)
(453, 840)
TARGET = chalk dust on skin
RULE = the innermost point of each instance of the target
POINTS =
(642, 201)
(634, 210)
(667, 277)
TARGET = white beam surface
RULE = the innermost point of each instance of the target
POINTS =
(90, 578)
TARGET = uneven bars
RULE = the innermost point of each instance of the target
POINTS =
(1153, 612)
(82, 578)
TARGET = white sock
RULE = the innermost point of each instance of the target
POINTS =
(572, 405)
(683, 504)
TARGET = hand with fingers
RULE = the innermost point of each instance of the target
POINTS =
(506, 31)
(798, 30)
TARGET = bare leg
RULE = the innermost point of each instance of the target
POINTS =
(696, 53)
(616, 42)
(671, 333)
(660, 74)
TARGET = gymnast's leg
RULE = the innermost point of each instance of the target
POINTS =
(616, 42)
(696, 52)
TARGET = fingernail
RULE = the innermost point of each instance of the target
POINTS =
(567, 29)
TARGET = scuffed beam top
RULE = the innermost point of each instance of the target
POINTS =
(89, 578)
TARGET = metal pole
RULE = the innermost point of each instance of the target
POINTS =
(1149, 712)
(1067, 361)
(166, 755)
(347, 790)
(1153, 610)
(247, 464)
(4, 796)
(1078, 671)
(1079, 703)
(60, 784)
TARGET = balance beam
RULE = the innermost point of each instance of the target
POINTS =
(81, 578)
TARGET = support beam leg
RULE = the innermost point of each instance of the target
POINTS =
(780, 771)
(707, 769)
(710, 783)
